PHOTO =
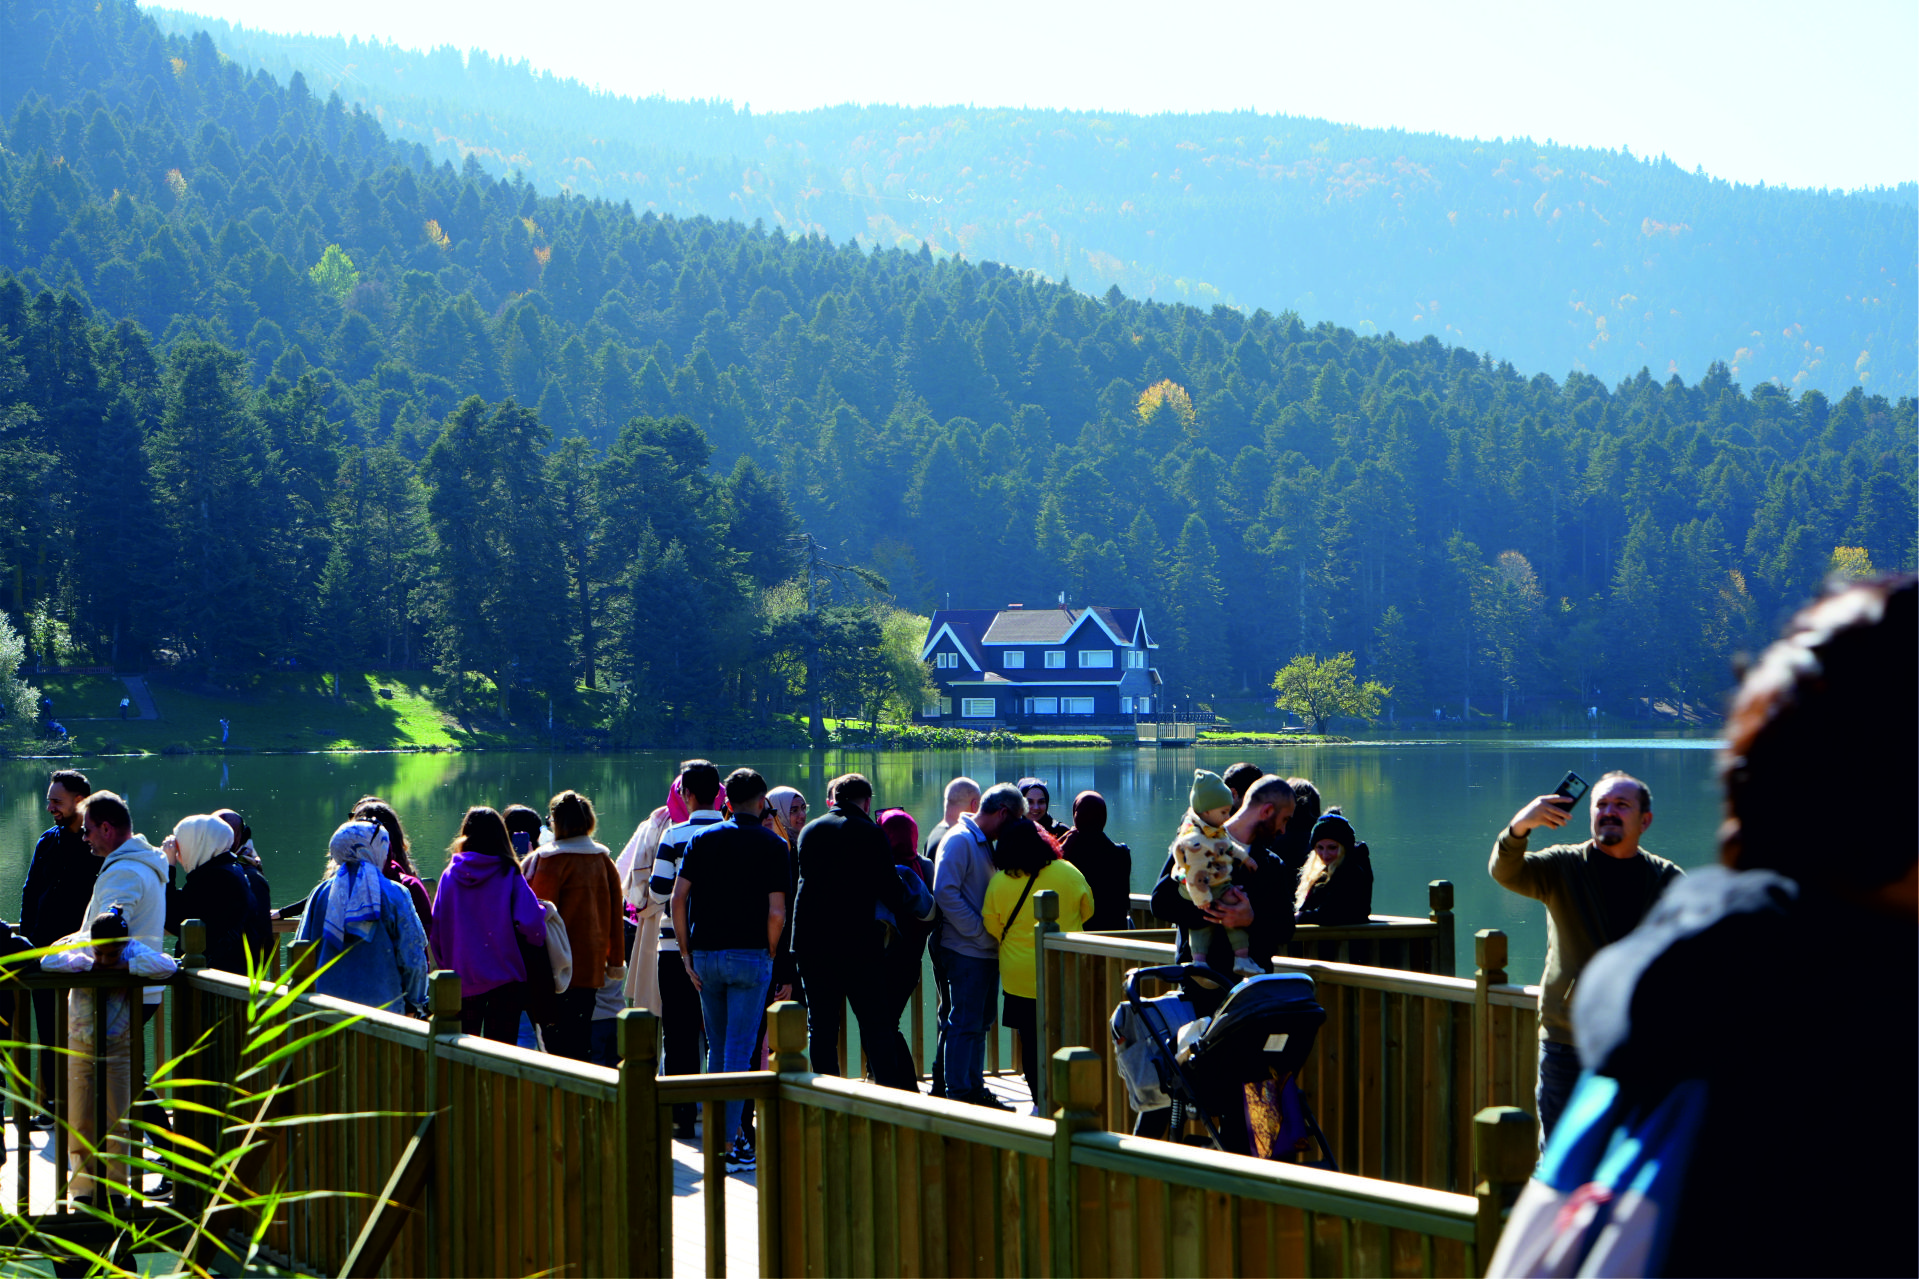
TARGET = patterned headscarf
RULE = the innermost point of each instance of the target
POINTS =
(359, 851)
(782, 802)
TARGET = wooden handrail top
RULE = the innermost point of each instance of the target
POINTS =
(397, 1027)
(582, 1077)
(724, 1085)
(1402, 1207)
(1512, 995)
(1020, 1133)
(40, 979)
(1112, 946)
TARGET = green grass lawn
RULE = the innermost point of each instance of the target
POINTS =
(288, 711)
(80, 696)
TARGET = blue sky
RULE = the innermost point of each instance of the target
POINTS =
(1785, 93)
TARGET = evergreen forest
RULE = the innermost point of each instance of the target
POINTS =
(281, 390)
(1556, 258)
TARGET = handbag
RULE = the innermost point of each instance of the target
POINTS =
(547, 973)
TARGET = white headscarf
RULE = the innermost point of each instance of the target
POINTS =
(199, 839)
(359, 852)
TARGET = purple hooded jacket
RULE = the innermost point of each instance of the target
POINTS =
(481, 901)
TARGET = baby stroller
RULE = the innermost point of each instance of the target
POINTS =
(1234, 1071)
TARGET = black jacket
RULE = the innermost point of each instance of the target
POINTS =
(59, 885)
(219, 896)
(1730, 979)
(1269, 890)
(1108, 868)
(846, 869)
(1346, 898)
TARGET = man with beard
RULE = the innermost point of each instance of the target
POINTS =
(1258, 900)
(1595, 893)
(54, 900)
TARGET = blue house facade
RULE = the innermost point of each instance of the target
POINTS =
(1040, 665)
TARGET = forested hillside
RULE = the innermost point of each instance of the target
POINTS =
(1556, 258)
(277, 389)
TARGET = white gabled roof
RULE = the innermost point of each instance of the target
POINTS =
(932, 641)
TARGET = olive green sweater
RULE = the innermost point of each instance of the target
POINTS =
(1564, 877)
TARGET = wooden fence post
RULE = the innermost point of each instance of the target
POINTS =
(1439, 909)
(786, 1039)
(648, 1206)
(1046, 992)
(443, 998)
(1489, 953)
(1505, 1149)
(1079, 1081)
(189, 1022)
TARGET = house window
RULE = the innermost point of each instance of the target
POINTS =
(1056, 659)
(1135, 659)
(946, 661)
(1042, 706)
(1078, 705)
(1095, 657)
(1013, 659)
(931, 710)
(946, 706)
(1144, 706)
(1126, 706)
(976, 708)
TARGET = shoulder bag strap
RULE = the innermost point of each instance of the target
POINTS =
(1016, 905)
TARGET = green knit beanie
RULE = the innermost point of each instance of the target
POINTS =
(1209, 791)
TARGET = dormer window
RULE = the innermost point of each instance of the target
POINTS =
(946, 661)
(1013, 659)
(1135, 659)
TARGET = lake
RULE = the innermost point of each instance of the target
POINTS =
(1429, 810)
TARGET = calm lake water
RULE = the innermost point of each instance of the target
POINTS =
(1428, 810)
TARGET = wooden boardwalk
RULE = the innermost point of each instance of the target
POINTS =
(743, 1202)
(689, 1194)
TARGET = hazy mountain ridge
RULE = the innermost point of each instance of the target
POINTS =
(1558, 258)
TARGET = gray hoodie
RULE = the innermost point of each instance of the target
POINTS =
(961, 872)
(134, 878)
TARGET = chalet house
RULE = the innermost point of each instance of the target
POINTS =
(1027, 664)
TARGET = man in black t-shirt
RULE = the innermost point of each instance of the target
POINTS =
(729, 907)
(53, 901)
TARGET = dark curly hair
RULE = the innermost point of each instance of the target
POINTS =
(1022, 848)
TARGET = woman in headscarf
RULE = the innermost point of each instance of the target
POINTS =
(1039, 801)
(216, 891)
(786, 808)
(399, 866)
(368, 923)
(1108, 867)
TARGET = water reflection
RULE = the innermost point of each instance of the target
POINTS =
(1429, 810)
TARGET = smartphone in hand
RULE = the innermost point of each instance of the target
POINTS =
(522, 843)
(1571, 789)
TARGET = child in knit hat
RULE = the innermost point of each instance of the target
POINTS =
(1204, 857)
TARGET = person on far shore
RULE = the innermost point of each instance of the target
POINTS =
(367, 923)
(1039, 801)
(1595, 892)
(1108, 867)
(1336, 885)
(483, 912)
(960, 798)
(1027, 861)
(576, 874)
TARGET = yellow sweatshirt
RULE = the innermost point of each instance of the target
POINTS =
(1016, 948)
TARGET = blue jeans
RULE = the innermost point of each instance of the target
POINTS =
(972, 986)
(1558, 1072)
(733, 987)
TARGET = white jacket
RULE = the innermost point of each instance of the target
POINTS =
(134, 878)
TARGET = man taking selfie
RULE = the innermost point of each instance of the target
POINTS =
(1595, 892)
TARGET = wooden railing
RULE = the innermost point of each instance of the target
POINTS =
(1386, 941)
(409, 1148)
(1397, 1073)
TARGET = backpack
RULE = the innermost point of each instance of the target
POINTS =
(1603, 1198)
